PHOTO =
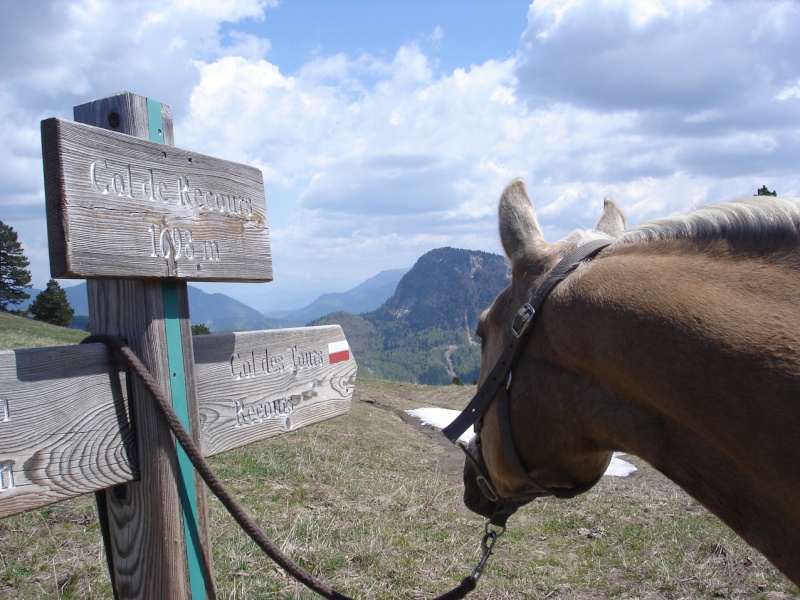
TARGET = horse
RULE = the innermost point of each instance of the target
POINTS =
(677, 341)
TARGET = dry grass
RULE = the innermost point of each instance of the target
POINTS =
(371, 503)
(21, 332)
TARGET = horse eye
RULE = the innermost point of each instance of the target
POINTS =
(479, 335)
(479, 332)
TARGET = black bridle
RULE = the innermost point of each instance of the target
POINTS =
(497, 386)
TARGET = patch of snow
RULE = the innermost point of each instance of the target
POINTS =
(618, 467)
(442, 417)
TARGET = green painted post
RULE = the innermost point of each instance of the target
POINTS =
(157, 527)
(175, 351)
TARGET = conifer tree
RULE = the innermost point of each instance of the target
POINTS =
(52, 306)
(14, 276)
(200, 329)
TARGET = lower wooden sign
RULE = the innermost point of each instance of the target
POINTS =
(64, 426)
(257, 384)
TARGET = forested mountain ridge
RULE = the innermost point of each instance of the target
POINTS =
(424, 332)
(365, 297)
(220, 312)
(447, 288)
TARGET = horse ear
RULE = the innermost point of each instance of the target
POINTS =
(612, 221)
(519, 229)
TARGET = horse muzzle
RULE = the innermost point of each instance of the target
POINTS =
(480, 495)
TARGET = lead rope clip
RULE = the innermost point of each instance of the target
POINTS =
(490, 537)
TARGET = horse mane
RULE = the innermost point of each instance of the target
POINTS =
(757, 223)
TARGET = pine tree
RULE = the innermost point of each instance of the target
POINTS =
(52, 306)
(14, 277)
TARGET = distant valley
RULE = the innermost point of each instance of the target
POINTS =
(363, 298)
(412, 325)
(424, 333)
(219, 312)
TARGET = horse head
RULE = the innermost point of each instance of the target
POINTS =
(676, 341)
(530, 440)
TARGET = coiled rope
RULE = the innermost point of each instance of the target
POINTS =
(226, 498)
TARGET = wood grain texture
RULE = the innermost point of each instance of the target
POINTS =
(122, 207)
(145, 517)
(64, 425)
(257, 384)
(65, 421)
(131, 116)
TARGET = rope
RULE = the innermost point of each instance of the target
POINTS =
(224, 496)
(211, 480)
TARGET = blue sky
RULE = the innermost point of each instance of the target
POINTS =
(386, 129)
(471, 30)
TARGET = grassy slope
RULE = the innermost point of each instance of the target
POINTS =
(371, 503)
(19, 332)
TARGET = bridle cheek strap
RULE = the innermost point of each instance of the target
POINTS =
(514, 461)
(504, 507)
(484, 482)
(497, 385)
(482, 478)
(519, 327)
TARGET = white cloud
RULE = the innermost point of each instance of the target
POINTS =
(790, 92)
(59, 54)
(371, 159)
(225, 10)
(628, 54)
(662, 105)
(404, 144)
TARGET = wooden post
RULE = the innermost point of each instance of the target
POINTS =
(151, 525)
(138, 219)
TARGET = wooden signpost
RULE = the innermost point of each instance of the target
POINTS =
(65, 429)
(257, 384)
(251, 385)
(186, 215)
(138, 218)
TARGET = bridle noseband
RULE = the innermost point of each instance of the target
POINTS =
(497, 386)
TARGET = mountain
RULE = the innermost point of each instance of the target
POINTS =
(447, 288)
(424, 332)
(365, 297)
(32, 293)
(421, 333)
(218, 312)
(78, 298)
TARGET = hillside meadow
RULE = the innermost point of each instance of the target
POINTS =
(371, 503)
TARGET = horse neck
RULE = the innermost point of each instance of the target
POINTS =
(711, 343)
(694, 365)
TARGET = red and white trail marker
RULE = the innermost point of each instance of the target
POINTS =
(338, 351)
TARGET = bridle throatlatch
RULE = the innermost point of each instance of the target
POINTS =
(497, 386)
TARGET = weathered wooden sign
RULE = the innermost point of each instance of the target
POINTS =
(123, 207)
(138, 219)
(256, 384)
(64, 425)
